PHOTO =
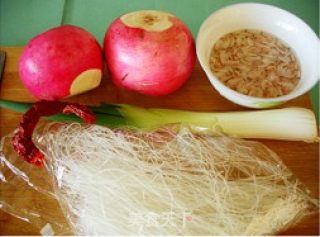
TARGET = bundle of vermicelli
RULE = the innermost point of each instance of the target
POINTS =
(125, 182)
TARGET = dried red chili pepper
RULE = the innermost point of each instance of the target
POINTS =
(22, 140)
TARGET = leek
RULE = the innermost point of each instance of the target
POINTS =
(294, 124)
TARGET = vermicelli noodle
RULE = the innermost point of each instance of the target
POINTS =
(167, 183)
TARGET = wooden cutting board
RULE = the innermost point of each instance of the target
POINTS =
(197, 94)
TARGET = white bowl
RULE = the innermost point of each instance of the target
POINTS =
(284, 25)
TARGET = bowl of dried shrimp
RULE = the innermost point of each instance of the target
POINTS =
(258, 55)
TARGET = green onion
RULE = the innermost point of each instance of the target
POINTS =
(295, 124)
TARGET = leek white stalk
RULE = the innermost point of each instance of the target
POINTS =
(293, 124)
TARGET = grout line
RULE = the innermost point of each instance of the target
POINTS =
(67, 5)
(63, 12)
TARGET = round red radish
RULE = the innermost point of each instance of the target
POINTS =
(151, 52)
(61, 62)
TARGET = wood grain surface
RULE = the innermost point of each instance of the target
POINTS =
(197, 94)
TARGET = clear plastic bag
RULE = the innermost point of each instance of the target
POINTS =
(27, 194)
(38, 196)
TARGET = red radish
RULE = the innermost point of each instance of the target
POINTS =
(151, 52)
(61, 62)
